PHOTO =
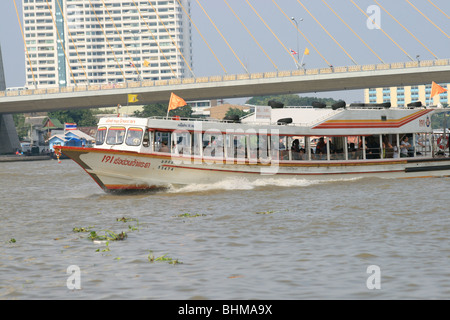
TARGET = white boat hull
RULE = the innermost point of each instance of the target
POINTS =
(124, 170)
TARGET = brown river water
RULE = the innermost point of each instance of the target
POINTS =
(231, 240)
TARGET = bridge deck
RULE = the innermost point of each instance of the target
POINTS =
(229, 86)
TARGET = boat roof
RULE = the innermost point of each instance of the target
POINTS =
(301, 121)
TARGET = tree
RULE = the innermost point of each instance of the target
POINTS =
(82, 117)
(233, 112)
(289, 100)
(19, 122)
(160, 110)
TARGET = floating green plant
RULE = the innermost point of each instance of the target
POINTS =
(151, 257)
(190, 215)
(123, 219)
(264, 212)
(12, 240)
(108, 236)
(82, 229)
(130, 227)
(104, 250)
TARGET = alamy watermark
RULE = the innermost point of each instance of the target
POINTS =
(374, 19)
(373, 282)
(74, 280)
(262, 147)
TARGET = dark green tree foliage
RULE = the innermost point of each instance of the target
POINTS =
(292, 100)
(19, 122)
(440, 120)
(82, 117)
(160, 110)
(232, 112)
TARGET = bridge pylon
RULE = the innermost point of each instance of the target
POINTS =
(9, 140)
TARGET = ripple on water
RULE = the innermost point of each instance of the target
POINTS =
(268, 239)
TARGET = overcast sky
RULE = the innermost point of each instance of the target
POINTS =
(345, 50)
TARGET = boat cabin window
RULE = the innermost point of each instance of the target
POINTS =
(162, 141)
(278, 147)
(115, 135)
(372, 147)
(213, 144)
(134, 136)
(146, 140)
(235, 146)
(181, 143)
(100, 136)
(298, 151)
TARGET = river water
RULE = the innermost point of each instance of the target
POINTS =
(356, 239)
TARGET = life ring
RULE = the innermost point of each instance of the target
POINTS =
(443, 142)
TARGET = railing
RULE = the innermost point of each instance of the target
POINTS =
(224, 78)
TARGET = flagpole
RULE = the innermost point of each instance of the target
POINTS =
(301, 63)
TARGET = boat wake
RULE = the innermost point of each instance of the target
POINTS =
(244, 184)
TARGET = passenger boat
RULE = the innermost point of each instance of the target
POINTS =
(273, 142)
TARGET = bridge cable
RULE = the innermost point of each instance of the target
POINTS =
(259, 45)
(434, 24)
(222, 36)
(123, 42)
(61, 43)
(363, 12)
(25, 44)
(405, 28)
(304, 36)
(273, 33)
(173, 41)
(201, 35)
(73, 42)
(154, 39)
(353, 31)
(107, 40)
(328, 33)
(448, 17)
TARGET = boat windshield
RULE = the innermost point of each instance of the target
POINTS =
(115, 135)
(134, 136)
(100, 137)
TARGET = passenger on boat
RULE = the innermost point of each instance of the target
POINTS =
(373, 148)
(283, 151)
(388, 150)
(404, 146)
(333, 151)
(352, 151)
(295, 149)
(422, 143)
(302, 154)
(164, 147)
(321, 149)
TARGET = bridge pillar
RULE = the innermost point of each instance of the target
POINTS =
(9, 140)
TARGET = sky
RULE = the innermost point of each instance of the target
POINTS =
(328, 39)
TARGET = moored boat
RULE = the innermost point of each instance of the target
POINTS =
(281, 142)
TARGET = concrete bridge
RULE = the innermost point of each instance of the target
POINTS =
(229, 86)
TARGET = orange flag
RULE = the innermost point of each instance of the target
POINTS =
(436, 89)
(175, 102)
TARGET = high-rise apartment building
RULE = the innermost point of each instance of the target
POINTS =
(73, 42)
(401, 96)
